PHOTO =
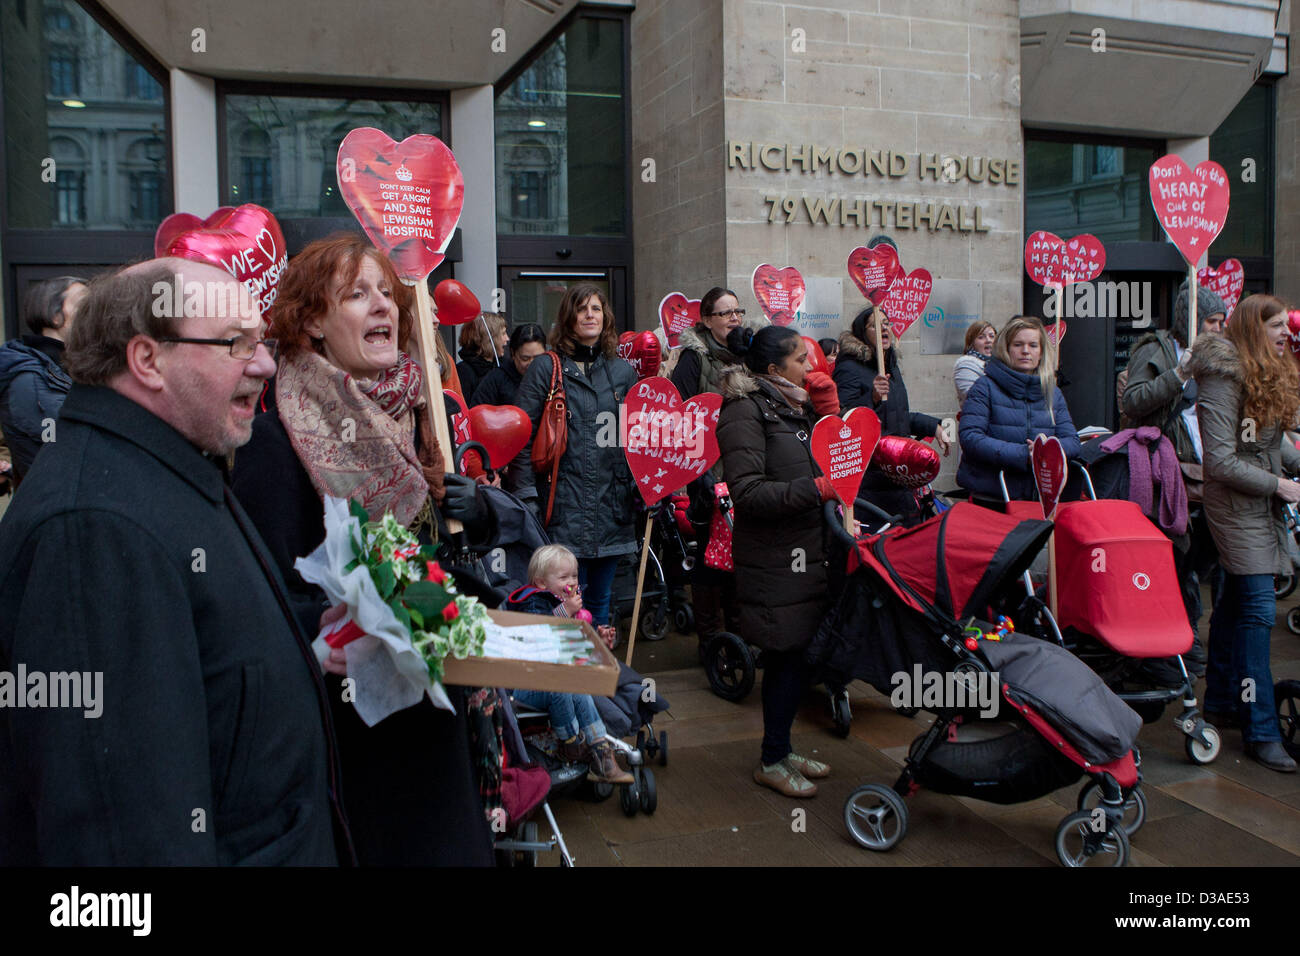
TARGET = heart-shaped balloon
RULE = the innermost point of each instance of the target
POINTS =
(780, 292)
(906, 461)
(456, 305)
(843, 449)
(1293, 332)
(677, 314)
(1055, 262)
(245, 241)
(1057, 331)
(816, 357)
(1226, 281)
(407, 196)
(906, 299)
(1191, 204)
(641, 350)
(874, 269)
(1049, 466)
(669, 443)
(503, 430)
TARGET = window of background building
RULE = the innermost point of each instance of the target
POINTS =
(1247, 134)
(1074, 186)
(81, 124)
(281, 150)
(560, 127)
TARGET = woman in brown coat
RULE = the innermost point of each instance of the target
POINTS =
(779, 546)
(1248, 393)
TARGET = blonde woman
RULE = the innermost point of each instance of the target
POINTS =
(1005, 410)
(481, 350)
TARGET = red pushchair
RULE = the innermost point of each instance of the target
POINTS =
(916, 602)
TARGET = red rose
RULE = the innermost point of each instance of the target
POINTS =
(436, 574)
(450, 612)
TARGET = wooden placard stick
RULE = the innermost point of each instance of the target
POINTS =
(1192, 289)
(640, 582)
(426, 350)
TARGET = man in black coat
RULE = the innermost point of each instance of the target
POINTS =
(202, 732)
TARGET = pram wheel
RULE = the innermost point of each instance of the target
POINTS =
(841, 714)
(684, 619)
(1135, 806)
(629, 798)
(600, 792)
(1283, 585)
(1286, 697)
(876, 817)
(1293, 620)
(527, 857)
(1198, 752)
(649, 796)
(1078, 844)
(654, 623)
(663, 748)
(729, 666)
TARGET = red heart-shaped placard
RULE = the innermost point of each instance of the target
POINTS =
(677, 314)
(906, 300)
(1191, 204)
(407, 196)
(873, 270)
(669, 443)
(503, 430)
(843, 449)
(906, 461)
(780, 292)
(1049, 466)
(816, 357)
(245, 241)
(641, 350)
(1057, 331)
(1055, 262)
(1226, 281)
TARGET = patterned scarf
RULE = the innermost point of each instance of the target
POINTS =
(358, 441)
(976, 353)
(794, 396)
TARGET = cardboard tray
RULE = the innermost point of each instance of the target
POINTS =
(600, 680)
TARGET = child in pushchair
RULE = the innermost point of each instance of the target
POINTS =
(913, 610)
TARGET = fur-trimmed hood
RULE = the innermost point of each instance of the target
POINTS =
(1215, 355)
(852, 347)
(691, 338)
(737, 382)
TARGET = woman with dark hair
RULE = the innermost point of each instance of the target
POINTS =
(346, 417)
(970, 367)
(1248, 394)
(778, 491)
(1016, 401)
(593, 504)
(830, 348)
(704, 345)
(33, 383)
(863, 383)
(498, 387)
(481, 350)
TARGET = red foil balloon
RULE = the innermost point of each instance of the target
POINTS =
(906, 461)
(502, 429)
(456, 305)
(641, 350)
(1293, 333)
(816, 357)
(245, 241)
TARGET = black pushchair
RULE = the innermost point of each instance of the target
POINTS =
(663, 596)
(915, 606)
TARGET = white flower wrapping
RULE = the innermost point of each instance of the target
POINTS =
(387, 672)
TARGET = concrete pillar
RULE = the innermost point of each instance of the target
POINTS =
(195, 175)
(474, 143)
(1192, 152)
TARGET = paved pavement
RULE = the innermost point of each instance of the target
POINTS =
(711, 813)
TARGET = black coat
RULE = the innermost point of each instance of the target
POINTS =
(408, 782)
(33, 386)
(498, 386)
(472, 370)
(779, 543)
(124, 553)
(594, 504)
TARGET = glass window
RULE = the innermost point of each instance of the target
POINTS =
(1075, 187)
(75, 126)
(281, 150)
(1244, 142)
(560, 137)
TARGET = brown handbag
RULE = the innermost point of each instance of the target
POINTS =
(552, 437)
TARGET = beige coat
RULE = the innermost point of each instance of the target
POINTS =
(1241, 506)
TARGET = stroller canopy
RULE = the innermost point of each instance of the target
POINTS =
(955, 561)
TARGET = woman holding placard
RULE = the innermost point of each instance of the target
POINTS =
(862, 383)
(345, 418)
(1016, 401)
(591, 501)
(1248, 395)
(780, 551)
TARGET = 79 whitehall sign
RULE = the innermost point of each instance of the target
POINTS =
(886, 164)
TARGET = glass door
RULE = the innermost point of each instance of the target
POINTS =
(533, 295)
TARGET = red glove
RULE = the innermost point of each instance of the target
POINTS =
(821, 389)
(825, 489)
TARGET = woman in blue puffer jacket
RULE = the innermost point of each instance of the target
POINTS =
(1005, 410)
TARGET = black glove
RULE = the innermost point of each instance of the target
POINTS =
(461, 501)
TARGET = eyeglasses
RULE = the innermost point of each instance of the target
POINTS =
(241, 346)
(738, 313)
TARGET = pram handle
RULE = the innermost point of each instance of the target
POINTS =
(458, 460)
(884, 516)
(831, 514)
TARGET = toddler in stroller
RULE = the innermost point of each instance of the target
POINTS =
(915, 603)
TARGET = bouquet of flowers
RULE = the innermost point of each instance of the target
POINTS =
(404, 612)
